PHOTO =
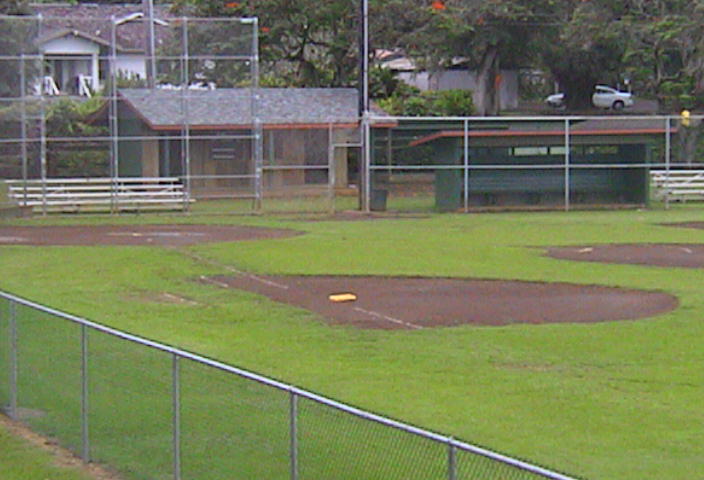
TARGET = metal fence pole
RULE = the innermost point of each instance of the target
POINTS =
(293, 424)
(567, 164)
(451, 460)
(186, 127)
(668, 144)
(176, 404)
(23, 126)
(331, 169)
(85, 441)
(113, 119)
(256, 121)
(466, 165)
(13, 360)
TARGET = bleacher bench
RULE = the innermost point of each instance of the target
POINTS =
(678, 185)
(99, 194)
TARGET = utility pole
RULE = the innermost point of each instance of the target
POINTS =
(364, 174)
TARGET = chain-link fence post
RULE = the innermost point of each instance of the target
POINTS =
(668, 145)
(85, 441)
(451, 460)
(293, 425)
(13, 360)
(176, 403)
(567, 164)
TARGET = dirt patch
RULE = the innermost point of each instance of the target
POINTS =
(62, 457)
(159, 235)
(416, 303)
(653, 254)
(699, 225)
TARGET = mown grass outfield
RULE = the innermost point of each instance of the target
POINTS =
(619, 400)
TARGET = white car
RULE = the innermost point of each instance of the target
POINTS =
(603, 97)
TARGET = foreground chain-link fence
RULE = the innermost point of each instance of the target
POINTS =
(153, 411)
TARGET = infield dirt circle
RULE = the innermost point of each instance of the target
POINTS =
(416, 303)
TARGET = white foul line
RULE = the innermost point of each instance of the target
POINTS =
(387, 318)
(235, 271)
(214, 282)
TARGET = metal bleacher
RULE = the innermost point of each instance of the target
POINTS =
(99, 194)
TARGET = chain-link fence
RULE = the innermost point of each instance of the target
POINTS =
(464, 164)
(153, 411)
(103, 108)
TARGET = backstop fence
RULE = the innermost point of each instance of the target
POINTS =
(153, 411)
(471, 163)
(122, 112)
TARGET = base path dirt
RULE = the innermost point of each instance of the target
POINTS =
(415, 303)
(161, 235)
(654, 254)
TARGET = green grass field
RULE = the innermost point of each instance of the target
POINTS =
(20, 460)
(616, 400)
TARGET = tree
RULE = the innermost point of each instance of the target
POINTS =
(586, 47)
(487, 34)
(309, 44)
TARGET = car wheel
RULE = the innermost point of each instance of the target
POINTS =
(618, 105)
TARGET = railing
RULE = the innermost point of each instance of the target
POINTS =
(155, 411)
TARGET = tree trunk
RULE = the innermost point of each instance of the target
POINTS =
(487, 96)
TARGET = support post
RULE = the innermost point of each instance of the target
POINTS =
(331, 169)
(176, 406)
(256, 122)
(466, 165)
(451, 460)
(85, 440)
(23, 126)
(13, 360)
(668, 159)
(293, 426)
(42, 150)
(113, 120)
(185, 130)
(567, 164)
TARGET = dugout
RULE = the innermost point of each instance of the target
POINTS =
(523, 164)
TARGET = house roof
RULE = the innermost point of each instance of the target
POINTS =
(93, 21)
(231, 108)
(617, 128)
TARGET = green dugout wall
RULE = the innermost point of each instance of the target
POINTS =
(502, 165)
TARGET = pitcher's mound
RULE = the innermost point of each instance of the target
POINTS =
(415, 303)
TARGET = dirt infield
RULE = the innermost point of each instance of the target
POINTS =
(160, 235)
(653, 254)
(415, 303)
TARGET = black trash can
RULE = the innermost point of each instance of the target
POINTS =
(377, 202)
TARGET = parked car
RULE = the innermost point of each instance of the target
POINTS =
(603, 97)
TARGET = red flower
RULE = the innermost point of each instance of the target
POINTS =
(438, 5)
(232, 4)
(265, 29)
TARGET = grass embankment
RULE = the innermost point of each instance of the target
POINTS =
(609, 400)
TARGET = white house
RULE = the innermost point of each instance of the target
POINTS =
(75, 41)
